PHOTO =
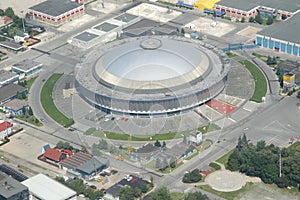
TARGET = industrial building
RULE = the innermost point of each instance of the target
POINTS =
(10, 91)
(105, 31)
(282, 36)
(182, 73)
(10, 189)
(249, 8)
(43, 187)
(7, 77)
(27, 68)
(56, 12)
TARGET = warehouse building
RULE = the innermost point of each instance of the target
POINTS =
(7, 77)
(9, 92)
(42, 187)
(12, 189)
(56, 12)
(27, 67)
(282, 36)
(249, 8)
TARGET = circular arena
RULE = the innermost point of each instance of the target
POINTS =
(151, 76)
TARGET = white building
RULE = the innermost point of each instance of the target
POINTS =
(196, 137)
(43, 187)
(5, 129)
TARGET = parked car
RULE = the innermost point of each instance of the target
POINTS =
(93, 187)
(113, 171)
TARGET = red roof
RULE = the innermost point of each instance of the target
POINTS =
(5, 125)
(53, 154)
(68, 152)
(7, 19)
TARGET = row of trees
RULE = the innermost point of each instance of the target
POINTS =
(128, 193)
(64, 145)
(80, 188)
(271, 60)
(263, 161)
(258, 19)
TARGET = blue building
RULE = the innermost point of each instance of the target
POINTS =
(27, 67)
(282, 36)
(10, 91)
(15, 107)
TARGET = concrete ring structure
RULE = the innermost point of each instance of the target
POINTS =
(152, 75)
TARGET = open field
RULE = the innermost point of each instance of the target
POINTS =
(259, 79)
(48, 104)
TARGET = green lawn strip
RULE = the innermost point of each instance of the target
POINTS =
(177, 196)
(227, 195)
(231, 55)
(295, 146)
(259, 79)
(215, 166)
(30, 82)
(30, 120)
(161, 137)
(168, 169)
(48, 103)
(224, 159)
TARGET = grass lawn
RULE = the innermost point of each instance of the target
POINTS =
(30, 82)
(259, 79)
(161, 137)
(168, 169)
(227, 195)
(30, 120)
(231, 55)
(48, 104)
(295, 146)
(224, 159)
(177, 196)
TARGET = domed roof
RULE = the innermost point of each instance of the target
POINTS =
(151, 61)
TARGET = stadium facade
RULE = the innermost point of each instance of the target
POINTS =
(152, 76)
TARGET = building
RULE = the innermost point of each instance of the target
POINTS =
(206, 170)
(289, 80)
(10, 91)
(5, 21)
(15, 107)
(15, 174)
(54, 155)
(282, 36)
(195, 137)
(27, 67)
(249, 8)
(290, 67)
(56, 12)
(84, 164)
(5, 129)
(91, 167)
(43, 187)
(181, 74)
(12, 46)
(7, 77)
(21, 36)
(10, 189)
(145, 154)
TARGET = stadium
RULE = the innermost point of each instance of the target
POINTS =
(151, 76)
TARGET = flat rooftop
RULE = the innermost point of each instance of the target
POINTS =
(285, 30)
(106, 27)
(16, 104)
(10, 90)
(5, 75)
(26, 64)
(55, 7)
(9, 186)
(11, 45)
(46, 188)
(125, 17)
(86, 36)
(286, 5)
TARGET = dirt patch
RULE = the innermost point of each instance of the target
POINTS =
(249, 31)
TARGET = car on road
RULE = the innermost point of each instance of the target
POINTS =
(113, 171)
(93, 187)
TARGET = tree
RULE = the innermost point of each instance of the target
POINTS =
(173, 162)
(260, 145)
(9, 12)
(258, 19)
(126, 193)
(36, 121)
(192, 177)
(24, 110)
(2, 12)
(164, 144)
(270, 20)
(60, 179)
(282, 182)
(30, 112)
(195, 196)
(23, 96)
(102, 144)
(214, 14)
(269, 60)
(164, 164)
(161, 194)
(243, 19)
(251, 19)
(157, 143)
(182, 31)
(137, 192)
(144, 188)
